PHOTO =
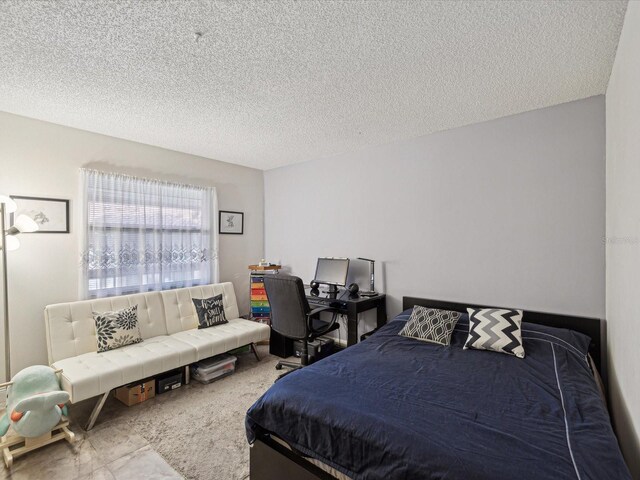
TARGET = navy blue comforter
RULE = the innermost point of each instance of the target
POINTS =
(397, 408)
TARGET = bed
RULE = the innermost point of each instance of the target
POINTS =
(393, 407)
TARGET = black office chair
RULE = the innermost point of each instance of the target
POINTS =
(292, 317)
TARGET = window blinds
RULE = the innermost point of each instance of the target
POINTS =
(142, 235)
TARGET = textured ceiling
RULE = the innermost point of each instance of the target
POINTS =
(274, 83)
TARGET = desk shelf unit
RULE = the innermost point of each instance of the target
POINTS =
(260, 309)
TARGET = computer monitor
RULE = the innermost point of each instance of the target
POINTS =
(333, 272)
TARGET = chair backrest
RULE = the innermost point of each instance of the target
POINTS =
(289, 306)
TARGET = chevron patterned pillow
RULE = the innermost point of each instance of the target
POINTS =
(495, 329)
(430, 325)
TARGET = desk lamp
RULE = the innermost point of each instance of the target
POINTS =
(372, 291)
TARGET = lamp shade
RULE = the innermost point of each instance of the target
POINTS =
(25, 224)
(9, 205)
(12, 243)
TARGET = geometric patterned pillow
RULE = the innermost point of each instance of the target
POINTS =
(117, 329)
(210, 311)
(495, 329)
(430, 325)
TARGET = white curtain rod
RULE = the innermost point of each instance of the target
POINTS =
(156, 180)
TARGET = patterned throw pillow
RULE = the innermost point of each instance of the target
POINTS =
(495, 329)
(210, 311)
(430, 325)
(117, 329)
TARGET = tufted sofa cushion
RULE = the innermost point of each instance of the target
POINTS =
(168, 323)
(71, 329)
(93, 373)
(181, 313)
(214, 340)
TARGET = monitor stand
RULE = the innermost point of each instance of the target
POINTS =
(333, 291)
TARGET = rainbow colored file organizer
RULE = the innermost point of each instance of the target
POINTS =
(260, 309)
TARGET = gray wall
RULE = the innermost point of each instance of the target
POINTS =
(623, 237)
(509, 212)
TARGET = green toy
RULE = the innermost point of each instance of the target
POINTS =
(35, 402)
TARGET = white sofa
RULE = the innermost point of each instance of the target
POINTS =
(169, 325)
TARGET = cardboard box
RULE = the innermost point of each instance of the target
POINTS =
(135, 393)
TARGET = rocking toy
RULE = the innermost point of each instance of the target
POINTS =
(35, 406)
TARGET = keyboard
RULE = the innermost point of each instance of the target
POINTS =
(326, 302)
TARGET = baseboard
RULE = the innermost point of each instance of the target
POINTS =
(338, 341)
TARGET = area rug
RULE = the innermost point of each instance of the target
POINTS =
(198, 429)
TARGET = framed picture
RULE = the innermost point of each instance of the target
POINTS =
(231, 222)
(51, 214)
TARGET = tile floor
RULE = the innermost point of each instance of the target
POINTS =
(114, 450)
(104, 453)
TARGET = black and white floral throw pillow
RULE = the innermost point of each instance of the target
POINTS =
(430, 325)
(117, 329)
(210, 311)
(495, 329)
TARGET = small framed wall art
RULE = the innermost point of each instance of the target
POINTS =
(231, 223)
(51, 214)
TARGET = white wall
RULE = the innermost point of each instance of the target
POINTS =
(42, 159)
(623, 235)
(508, 212)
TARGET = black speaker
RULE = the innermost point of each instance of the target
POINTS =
(314, 288)
(353, 288)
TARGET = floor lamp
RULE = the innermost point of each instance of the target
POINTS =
(22, 224)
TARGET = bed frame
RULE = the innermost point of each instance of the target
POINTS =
(270, 460)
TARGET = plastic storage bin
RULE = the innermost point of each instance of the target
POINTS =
(214, 368)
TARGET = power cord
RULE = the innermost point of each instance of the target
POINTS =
(343, 294)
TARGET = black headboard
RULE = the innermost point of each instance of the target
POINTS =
(593, 327)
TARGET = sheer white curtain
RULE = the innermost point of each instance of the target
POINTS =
(142, 235)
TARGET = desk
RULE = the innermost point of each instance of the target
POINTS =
(343, 304)
(351, 306)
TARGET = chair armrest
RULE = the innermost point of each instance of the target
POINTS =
(329, 326)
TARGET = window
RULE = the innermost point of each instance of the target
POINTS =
(143, 235)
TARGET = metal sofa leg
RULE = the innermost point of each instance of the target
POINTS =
(255, 351)
(187, 374)
(96, 411)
